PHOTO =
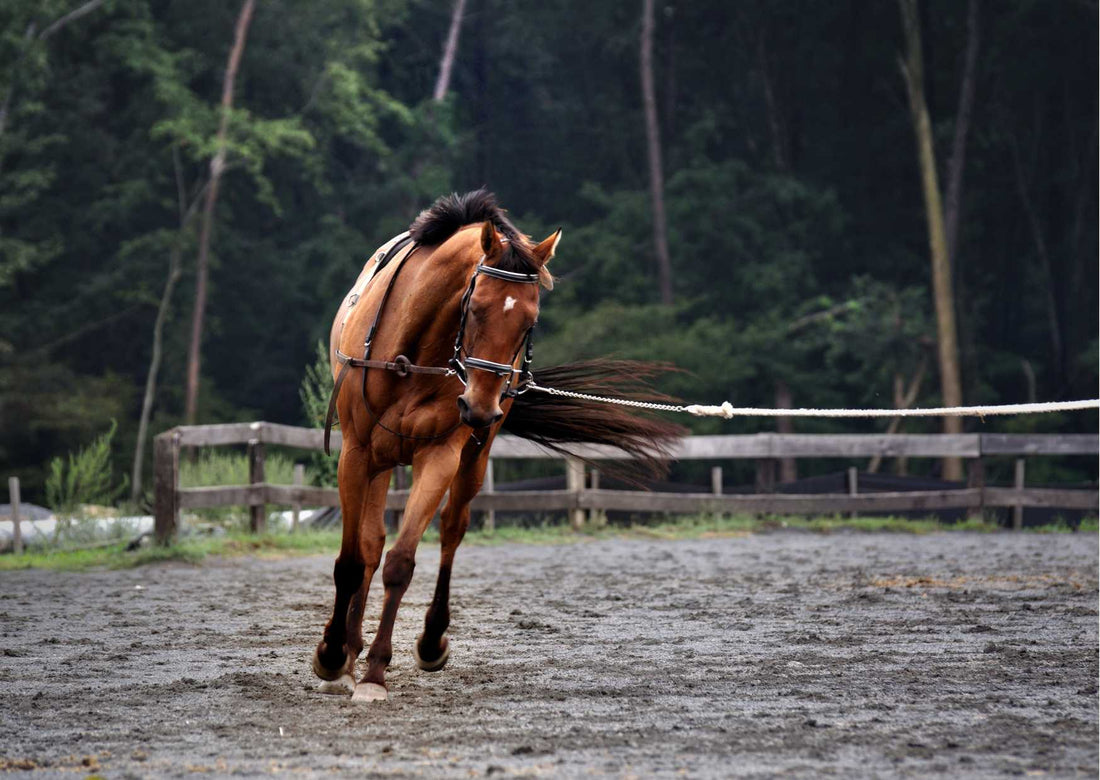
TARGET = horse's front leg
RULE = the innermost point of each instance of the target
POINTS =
(372, 540)
(433, 471)
(432, 648)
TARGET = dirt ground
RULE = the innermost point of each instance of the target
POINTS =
(786, 653)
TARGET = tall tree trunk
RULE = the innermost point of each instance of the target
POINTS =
(653, 147)
(1057, 351)
(771, 105)
(1083, 166)
(483, 94)
(186, 214)
(446, 63)
(955, 166)
(154, 369)
(217, 165)
(947, 334)
(903, 399)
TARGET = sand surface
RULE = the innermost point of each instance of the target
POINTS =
(785, 653)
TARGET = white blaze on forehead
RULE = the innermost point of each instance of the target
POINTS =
(509, 303)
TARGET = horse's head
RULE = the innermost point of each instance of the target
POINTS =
(499, 314)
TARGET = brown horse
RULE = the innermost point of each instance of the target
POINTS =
(450, 315)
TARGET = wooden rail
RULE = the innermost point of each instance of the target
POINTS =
(581, 502)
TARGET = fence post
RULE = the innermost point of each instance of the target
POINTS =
(16, 531)
(296, 507)
(765, 475)
(596, 517)
(490, 521)
(574, 483)
(258, 512)
(976, 479)
(853, 486)
(1018, 510)
(166, 482)
(716, 480)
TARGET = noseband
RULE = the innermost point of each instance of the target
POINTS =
(458, 366)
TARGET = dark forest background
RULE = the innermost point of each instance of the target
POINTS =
(796, 226)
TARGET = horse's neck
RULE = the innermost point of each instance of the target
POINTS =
(430, 307)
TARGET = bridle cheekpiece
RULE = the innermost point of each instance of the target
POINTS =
(461, 367)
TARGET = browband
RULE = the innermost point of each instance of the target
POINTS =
(508, 276)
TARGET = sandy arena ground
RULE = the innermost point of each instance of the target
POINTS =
(795, 654)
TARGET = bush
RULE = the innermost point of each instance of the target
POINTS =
(224, 467)
(83, 478)
(314, 391)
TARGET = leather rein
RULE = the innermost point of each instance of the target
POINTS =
(461, 361)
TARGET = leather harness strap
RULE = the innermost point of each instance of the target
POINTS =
(403, 242)
(401, 248)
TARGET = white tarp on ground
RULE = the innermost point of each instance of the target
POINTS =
(42, 530)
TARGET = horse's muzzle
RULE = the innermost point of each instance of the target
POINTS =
(477, 418)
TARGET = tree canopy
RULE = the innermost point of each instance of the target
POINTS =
(796, 229)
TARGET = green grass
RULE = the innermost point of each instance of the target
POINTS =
(221, 467)
(194, 549)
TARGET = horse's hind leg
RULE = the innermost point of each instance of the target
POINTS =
(331, 660)
(432, 649)
(434, 469)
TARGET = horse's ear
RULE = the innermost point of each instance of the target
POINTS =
(490, 241)
(543, 251)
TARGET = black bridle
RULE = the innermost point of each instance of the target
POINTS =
(461, 367)
(458, 366)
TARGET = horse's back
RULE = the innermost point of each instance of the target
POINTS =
(353, 296)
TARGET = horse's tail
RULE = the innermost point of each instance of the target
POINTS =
(554, 421)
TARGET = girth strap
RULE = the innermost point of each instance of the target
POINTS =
(403, 242)
(331, 413)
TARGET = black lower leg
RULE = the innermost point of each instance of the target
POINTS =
(348, 576)
(438, 617)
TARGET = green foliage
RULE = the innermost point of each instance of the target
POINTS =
(315, 389)
(84, 477)
(795, 219)
(224, 467)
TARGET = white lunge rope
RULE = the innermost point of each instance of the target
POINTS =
(728, 411)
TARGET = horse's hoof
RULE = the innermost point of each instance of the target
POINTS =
(366, 692)
(343, 686)
(331, 675)
(438, 663)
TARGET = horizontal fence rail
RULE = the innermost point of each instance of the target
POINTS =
(577, 499)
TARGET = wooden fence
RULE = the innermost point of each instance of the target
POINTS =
(578, 499)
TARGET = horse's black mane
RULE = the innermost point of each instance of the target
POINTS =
(447, 215)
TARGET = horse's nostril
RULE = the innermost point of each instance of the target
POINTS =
(463, 407)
